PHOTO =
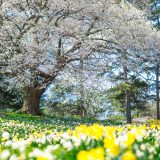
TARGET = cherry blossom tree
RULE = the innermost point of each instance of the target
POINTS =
(40, 37)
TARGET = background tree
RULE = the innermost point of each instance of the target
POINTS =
(138, 94)
(154, 16)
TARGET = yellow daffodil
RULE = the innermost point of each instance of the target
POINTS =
(128, 155)
(130, 139)
(42, 158)
(93, 154)
(111, 146)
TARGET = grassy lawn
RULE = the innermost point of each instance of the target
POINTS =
(43, 138)
(22, 126)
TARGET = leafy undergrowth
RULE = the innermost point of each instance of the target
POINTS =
(27, 137)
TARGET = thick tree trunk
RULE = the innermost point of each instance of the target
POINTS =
(31, 100)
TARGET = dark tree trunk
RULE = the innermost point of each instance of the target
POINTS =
(127, 94)
(157, 72)
(157, 91)
(127, 98)
(2, 104)
(82, 106)
(1, 100)
(128, 108)
(31, 100)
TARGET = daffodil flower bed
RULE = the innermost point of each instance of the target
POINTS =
(84, 142)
